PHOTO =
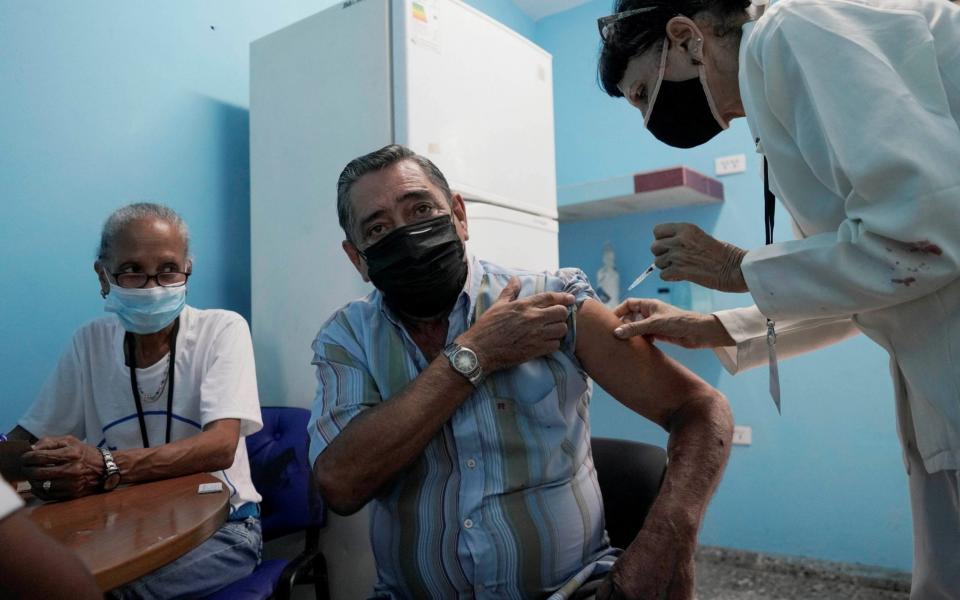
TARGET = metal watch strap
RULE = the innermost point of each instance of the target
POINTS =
(109, 464)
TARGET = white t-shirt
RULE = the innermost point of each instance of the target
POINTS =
(89, 396)
(10, 500)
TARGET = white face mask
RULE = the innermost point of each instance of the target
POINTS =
(146, 310)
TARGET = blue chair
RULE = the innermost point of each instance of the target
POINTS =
(281, 473)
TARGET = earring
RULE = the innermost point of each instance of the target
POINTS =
(103, 294)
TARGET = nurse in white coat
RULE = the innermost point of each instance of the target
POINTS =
(855, 106)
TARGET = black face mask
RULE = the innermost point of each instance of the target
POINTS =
(682, 118)
(680, 113)
(420, 268)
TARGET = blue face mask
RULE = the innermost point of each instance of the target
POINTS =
(146, 310)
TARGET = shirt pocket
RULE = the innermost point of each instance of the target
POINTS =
(530, 390)
(544, 411)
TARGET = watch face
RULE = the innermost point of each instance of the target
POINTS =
(465, 360)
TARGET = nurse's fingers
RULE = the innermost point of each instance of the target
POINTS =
(632, 308)
(664, 262)
(664, 245)
(673, 273)
(665, 230)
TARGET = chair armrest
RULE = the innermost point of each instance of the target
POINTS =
(311, 561)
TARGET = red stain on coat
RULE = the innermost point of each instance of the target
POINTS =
(907, 282)
(926, 247)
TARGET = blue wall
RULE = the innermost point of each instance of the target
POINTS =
(824, 480)
(106, 103)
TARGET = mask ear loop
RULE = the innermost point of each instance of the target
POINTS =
(706, 88)
(656, 89)
(104, 294)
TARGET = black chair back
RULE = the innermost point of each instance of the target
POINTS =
(630, 474)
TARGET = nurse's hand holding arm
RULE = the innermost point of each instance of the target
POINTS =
(685, 253)
(660, 321)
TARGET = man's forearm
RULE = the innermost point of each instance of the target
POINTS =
(210, 450)
(660, 559)
(383, 441)
(698, 449)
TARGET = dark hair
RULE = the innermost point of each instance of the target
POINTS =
(635, 35)
(376, 161)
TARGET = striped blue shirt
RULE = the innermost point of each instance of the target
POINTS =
(504, 501)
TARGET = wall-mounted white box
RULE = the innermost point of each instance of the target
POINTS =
(730, 165)
(742, 435)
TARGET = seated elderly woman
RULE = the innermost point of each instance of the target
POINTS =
(157, 389)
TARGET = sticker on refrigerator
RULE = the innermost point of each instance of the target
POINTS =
(425, 24)
(420, 12)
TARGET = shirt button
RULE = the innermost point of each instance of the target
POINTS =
(468, 524)
(471, 463)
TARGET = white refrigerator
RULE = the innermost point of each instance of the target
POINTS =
(435, 75)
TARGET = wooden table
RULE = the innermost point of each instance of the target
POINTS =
(133, 530)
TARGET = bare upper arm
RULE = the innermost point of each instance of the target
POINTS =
(633, 371)
(226, 429)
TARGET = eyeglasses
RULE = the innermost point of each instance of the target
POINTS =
(607, 25)
(139, 280)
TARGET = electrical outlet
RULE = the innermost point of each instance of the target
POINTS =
(729, 165)
(742, 435)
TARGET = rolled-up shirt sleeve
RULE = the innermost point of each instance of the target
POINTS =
(576, 282)
(59, 407)
(748, 328)
(345, 387)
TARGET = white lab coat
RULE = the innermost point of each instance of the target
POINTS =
(856, 106)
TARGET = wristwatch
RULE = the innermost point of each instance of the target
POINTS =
(111, 472)
(465, 361)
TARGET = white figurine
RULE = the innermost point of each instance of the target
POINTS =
(608, 279)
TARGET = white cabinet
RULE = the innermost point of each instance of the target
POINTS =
(512, 239)
(477, 99)
(436, 75)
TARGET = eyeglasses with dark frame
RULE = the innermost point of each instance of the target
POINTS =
(139, 280)
(606, 24)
